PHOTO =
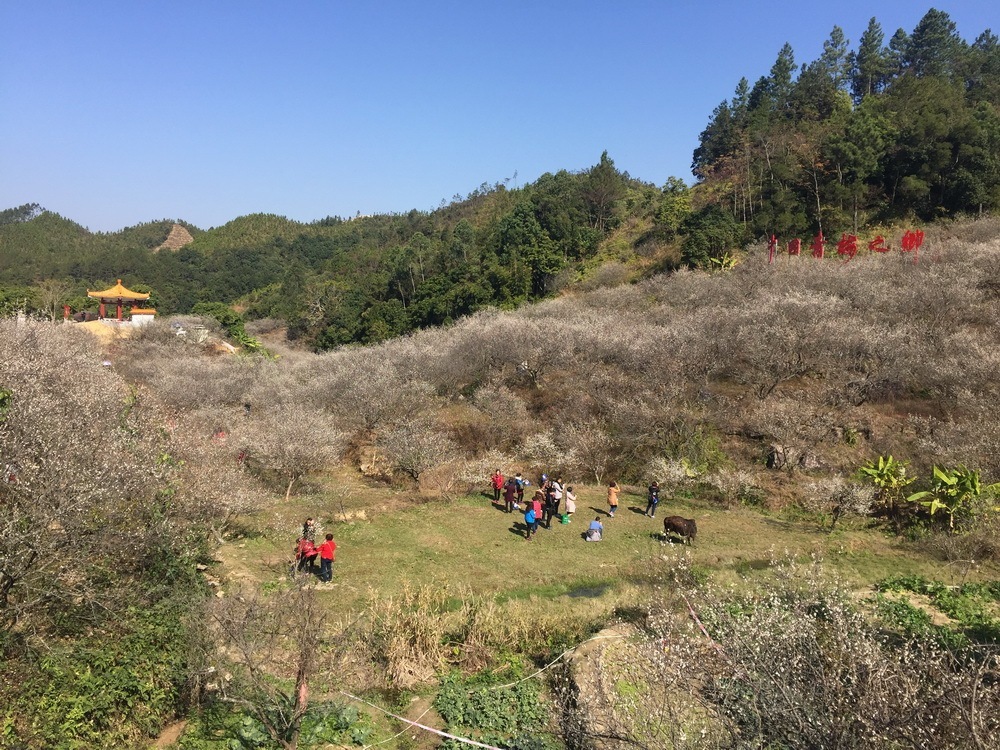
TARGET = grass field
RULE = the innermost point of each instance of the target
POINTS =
(395, 538)
(418, 570)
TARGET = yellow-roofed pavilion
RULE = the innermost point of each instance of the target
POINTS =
(120, 297)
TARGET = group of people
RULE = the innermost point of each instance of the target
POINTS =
(307, 551)
(545, 503)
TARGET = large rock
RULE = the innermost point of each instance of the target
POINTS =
(625, 689)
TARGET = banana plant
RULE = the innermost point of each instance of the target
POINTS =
(953, 490)
(889, 477)
(725, 263)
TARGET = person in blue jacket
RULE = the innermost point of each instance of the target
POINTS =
(531, 522)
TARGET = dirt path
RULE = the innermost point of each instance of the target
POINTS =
(170, 734)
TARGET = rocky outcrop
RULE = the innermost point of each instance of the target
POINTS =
(625, 689)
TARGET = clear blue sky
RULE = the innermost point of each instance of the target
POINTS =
(116, 113)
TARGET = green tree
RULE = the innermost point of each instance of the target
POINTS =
(384, 320)
(717, 140)
(869, 66)
(921, 164)
(976, 181)
(982, 69)
(674, 206)
(603, 188)
(897, 52)
(529, 253)
(780, 80)
(27, 212)
(834, 60)
(934, 48)
(856, 150)
(711, 233)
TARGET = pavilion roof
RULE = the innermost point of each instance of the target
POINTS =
(117, 292)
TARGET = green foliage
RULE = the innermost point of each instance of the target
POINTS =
(913, 145)
(105, 690)
(27, 212)
(337, 282)
(956, 492)
(697, 447)
(484, 709)
(674, 206)
(890, 479)
(232, 322)
(220, 726)
(711, 234)
(787, 156)
(972, 605)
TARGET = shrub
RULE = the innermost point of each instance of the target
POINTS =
(511, 715)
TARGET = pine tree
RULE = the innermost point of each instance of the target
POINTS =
(935, 48)
(870, 64)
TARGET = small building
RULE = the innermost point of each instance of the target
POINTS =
(123, 298)
(142, 315)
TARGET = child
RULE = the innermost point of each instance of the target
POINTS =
(536, 505)
(570, 504)
(530, 523)
(309, 530)
(596, 531)
(305, 553)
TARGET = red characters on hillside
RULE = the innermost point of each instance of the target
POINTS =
(848, 246)
(879, 245)
(817, 246)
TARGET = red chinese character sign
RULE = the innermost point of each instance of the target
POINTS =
(848, 246)
(817, 246)
(878, 245)
(911, 242)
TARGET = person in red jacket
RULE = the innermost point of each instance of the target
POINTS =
(327, 553)
(306, 553)
(496, 481)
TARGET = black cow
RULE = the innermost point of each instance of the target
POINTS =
(685, 528)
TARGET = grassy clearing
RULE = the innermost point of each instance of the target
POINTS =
(467, 545)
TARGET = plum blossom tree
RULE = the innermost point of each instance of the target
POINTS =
(289, 441)
(82, 491)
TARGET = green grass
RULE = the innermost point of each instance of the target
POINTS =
(467, 545)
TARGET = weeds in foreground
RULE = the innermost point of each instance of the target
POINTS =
(797, 664)
(424, 630)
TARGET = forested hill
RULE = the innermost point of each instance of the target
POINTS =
(337, 281)
(897, 128)
(887, 133)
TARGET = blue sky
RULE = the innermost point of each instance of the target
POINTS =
(116, 113)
